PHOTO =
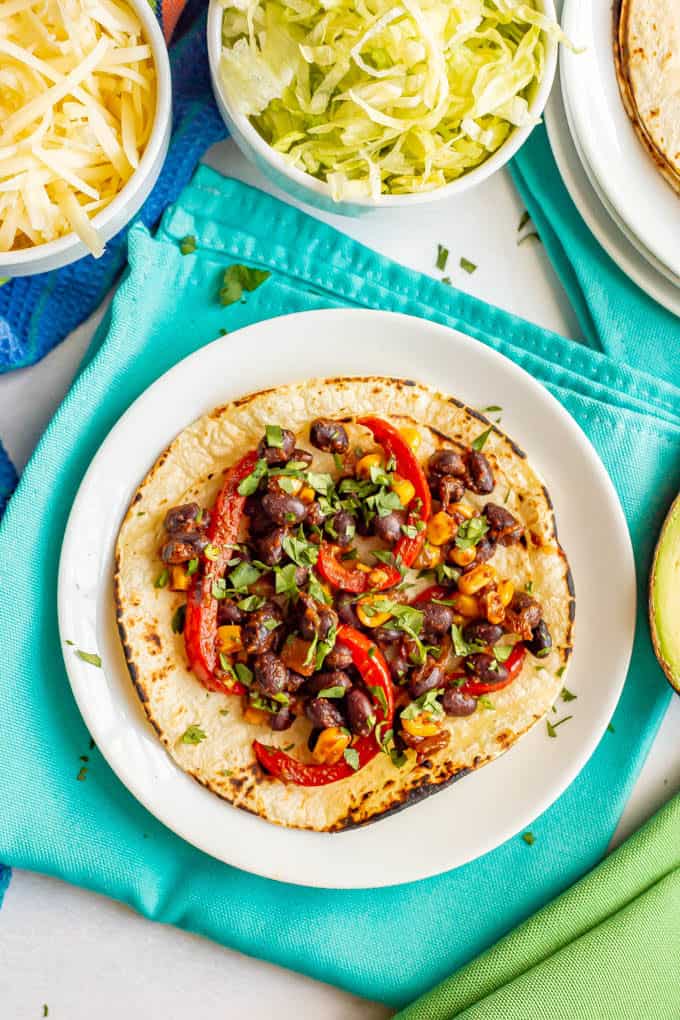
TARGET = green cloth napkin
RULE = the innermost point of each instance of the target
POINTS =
(608, 948)
(388, 944)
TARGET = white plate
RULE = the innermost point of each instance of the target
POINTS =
(626, 256)
(625, 173)
(470, 817)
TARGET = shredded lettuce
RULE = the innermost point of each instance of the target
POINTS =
(383, 96)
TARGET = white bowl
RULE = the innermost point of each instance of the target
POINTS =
(317, 193)
(54, 254)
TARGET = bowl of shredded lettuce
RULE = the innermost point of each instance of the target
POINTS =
(357, 104)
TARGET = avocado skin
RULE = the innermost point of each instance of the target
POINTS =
(664, 597)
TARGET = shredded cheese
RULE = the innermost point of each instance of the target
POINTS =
(77, 102)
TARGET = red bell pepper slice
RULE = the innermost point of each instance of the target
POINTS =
(370, 662)
(347, 576)
(513, 664)
(394, 444)
(435, 591)
(200, 626)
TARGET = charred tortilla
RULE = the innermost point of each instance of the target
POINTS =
(647, 57)
(192, 469)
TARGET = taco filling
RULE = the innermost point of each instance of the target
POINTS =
(360, 595)
(338, 596)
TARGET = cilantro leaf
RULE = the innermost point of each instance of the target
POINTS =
(193, 734)
(332, 692)
(468, 266)
(178, 618)
(528, 838)
(471, 532)
(351, 756)
(243, 575)
(90, 657)
(552, 727)
(187, 245)
(250, 483)
(274, 436)
(162, 579)
(300, 551)
(285, 580)
(568, 695)
(238, 278)
(478, 443)
(442, 257)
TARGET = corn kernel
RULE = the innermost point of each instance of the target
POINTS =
(377, 577)
(369, 460)
(462, 510)
(368, 614)
(462, 557)
(440, 528)
(470, 584)
(404, 489)
(331, 745)
(492, 606)
(179, 579)
(411, 436)
(255, 716)
(229, 638)
(506, 590)
(429, 557)
(421, 726)
(306, 494)
(466, 605)
(364, 568)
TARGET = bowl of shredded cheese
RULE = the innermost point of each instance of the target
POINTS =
(85, 116)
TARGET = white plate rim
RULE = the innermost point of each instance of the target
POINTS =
(358, 857)
(607, 138)
(604, 229)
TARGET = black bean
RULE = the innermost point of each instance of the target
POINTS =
(446, 462)
(449, 490)
(174, 552)
(323, 712)
(388, 528)
(259, 524)
(277, 454)
(482, 633)
(454, 702)
(523, 615)
(328, 435)
(479, 474)
(359, 712)
(345, 608)
(484, 551)
(302, 456)
(314, 515)
(269, 547)
(484, 666)
(425, 678)
(344, 527)
(503, 527)
(387, 635)
(316, 620)
(436, 621)
(283, 509)
(270, 674)
(181, 518)
(398, 665)
(282, 719)
(257, 633)
(327, 678)
(228, 612)
(541, 641)
(339, 657)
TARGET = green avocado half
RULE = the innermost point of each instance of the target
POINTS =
(664, 597)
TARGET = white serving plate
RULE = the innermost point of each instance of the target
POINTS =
(626, 175)
(627, 256)
(467, 819)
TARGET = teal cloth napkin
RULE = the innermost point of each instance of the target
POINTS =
(388, 944)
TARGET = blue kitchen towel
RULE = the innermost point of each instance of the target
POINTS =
(388, 944)
(37, 312)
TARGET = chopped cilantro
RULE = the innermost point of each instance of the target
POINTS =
(178, 618)
(610, 728)
(285, 580)
(82, 774)
(238, 278)
(338, 691)
(90, 657)
(219, 588)
(446, 280)
(479, 442)
(471, 532)
(560, 671)
(460, 645)
(484, 702)
(193, 734)
(211, 552)
(351, 756)
(250, 483)
(553, 726)
(250, 602)
(442, 257)
(274, 436)
(491, 409)
(426, 704)
(243, 575)
(378, 693)
(300, 551)
(192, 566)
(468, 266)
(187, 245)
(503, 652)
(162, 579)
(529, 586)
(528, 838)
(568, 695)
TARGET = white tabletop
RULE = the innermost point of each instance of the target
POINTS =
(83, 955)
